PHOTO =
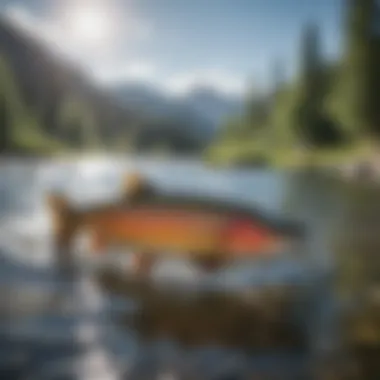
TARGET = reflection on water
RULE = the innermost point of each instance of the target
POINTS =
(262, 319)
(253, 321)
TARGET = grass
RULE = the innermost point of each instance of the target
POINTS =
(28, 140)
(36, 144)
(251, 153)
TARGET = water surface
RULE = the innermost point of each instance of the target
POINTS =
(52, 327)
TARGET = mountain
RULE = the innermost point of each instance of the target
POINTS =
(203, 108)
(46, 83)
(165, 115)
(63, 105)
(213, 105)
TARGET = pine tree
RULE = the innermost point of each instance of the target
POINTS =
(313, 126)
(278, 131)
(310, 92)
(354, 102)
(374, 72)
(77, 124)
(11, 108)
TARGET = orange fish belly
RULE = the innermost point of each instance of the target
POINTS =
(163, 230)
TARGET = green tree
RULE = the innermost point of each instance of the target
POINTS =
(257, 114)
(77, 124)
(310, 93)
(282, 118)
(313, 125)
(20, 130)
(11, 108)
(279, 123)
(354, 101)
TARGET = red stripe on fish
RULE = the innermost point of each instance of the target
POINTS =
(244, 236)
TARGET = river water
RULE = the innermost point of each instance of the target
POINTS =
(58, 328)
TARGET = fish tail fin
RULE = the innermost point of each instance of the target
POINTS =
(64, 224)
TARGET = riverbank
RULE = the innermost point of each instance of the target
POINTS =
(359, 162)
(346, 160)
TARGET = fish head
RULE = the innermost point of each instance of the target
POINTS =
(290, 234)
(250, 237)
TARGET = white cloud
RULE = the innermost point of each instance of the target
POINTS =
(221, 80)
(178, 84)
(104, 64)
(140, 70)
(146, 71)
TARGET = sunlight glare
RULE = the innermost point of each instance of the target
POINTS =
(90, 24)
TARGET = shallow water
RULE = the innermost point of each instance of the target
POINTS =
(54, 327)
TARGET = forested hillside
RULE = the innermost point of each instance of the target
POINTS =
(49, 105)
(327, 105)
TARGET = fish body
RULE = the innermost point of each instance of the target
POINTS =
(198, 227)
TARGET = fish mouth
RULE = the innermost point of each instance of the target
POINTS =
(290, 235)
(292, 231)
(294, 237)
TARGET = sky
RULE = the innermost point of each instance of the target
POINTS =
(176, 45)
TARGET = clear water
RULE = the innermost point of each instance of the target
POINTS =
(58, 328)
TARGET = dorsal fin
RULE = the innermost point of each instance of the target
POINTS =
(57, 202)
(136, 186)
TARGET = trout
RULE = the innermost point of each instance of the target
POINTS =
(207, 231)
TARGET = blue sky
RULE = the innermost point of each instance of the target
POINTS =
(176, 44)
